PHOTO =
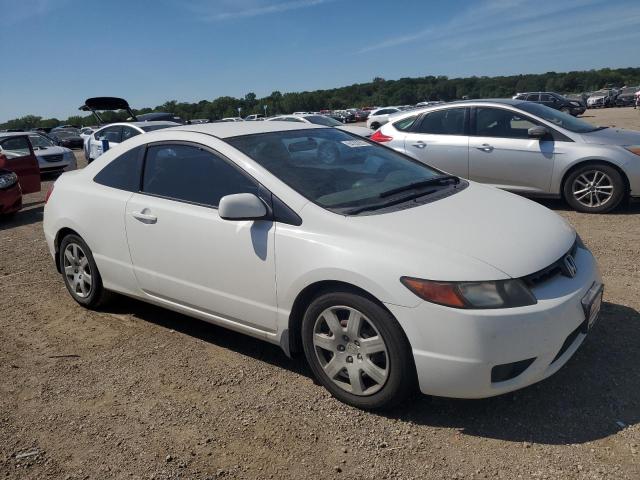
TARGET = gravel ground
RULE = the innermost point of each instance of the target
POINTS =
(139, 392)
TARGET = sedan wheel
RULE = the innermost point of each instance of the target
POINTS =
(80, 272)
(77, 270)
(595, 188)
(351, 351)
(357, 350)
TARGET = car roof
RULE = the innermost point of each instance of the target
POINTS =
(15, 134)
(141, 124)
(235, 129)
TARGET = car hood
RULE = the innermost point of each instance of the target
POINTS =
(457, 237)
(612, 136)
(362, 131)
(56, 150)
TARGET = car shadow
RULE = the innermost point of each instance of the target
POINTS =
(26, 216)
(593, 396)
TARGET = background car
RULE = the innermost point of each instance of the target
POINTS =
(324, 121)
(379, 117)
(553, 100)
(253, 117)
(231, 119)
(523, 147)
(10, 192)
(627, 97)
(157, 117)
(119, 132)
(52, 158)
(602, 98)
(67, 137)
(17, 156)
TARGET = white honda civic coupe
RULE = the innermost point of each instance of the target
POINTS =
(385, 272)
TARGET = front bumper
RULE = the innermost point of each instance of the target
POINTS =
(10, 199)
(455, 350)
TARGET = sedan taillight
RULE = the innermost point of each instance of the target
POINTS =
(380, 137)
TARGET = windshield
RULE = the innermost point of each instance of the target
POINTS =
(39, 141)
(150, 128)
(324, 121)
(558, 118)
(336, 170)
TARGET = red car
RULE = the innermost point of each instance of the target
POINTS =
(19, 172)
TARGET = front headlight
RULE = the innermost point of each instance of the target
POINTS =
(470, 295)
(8, 180)
(633, 149)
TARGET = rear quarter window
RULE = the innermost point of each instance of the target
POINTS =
(123, 172)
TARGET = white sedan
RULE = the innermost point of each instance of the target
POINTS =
(379, 117)
(115, 133)
(387, 273)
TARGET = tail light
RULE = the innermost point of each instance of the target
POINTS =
(49, 192)
(380, 137)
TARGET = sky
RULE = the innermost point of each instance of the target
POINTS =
(56, 53)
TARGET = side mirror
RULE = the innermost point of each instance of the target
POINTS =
(242, 206)
(537, 132)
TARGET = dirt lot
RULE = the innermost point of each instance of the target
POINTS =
(139, 392)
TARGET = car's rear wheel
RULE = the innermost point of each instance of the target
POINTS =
(594, 188)
(357, 350)
(80, 272)
(375, 126)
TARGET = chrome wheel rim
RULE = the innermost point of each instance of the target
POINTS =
(77, 270)
(351, 350)
(593, 188)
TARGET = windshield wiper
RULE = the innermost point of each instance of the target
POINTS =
(388, 203)
(423, 183)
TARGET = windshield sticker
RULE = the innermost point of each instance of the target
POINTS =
(355, 143)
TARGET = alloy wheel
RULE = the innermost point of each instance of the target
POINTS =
(77, 270)
(593, 188)
(351, 350)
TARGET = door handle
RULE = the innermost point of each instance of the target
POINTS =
(485, 147)
(144, 217)
(419, 144)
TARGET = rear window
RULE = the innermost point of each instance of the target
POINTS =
(405, 124)
(124, 172)
(15, 147)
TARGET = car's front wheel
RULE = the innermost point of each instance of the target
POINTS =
(358, 351)
(594, 188)
(80, 272)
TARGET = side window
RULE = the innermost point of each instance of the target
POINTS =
(546, 98)
(128, 132)
(112, 134)
(123, 172)
(405, 124)
(496, 122)
(15, 147)
(192, 174)
(443, 122)
(533, 97)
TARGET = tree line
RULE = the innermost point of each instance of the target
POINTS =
(405, 91)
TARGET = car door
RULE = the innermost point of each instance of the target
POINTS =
(502, 154)
(112, 134)
(184, 254)
(439, 138)
(16, 155)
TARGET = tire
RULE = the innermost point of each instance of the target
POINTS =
(328, 153)
(375, 126)
(77, 266)
(390, 362)
(591, 183)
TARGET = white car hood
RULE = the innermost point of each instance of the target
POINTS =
(612, 136)
(479, 225)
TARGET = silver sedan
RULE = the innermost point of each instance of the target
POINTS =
(523, 147)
